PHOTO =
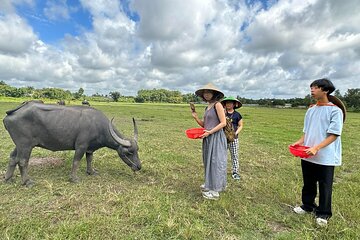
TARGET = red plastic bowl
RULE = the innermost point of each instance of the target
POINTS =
(194, 133)
(299, 151)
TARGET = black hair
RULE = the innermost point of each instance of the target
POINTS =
(325, 84)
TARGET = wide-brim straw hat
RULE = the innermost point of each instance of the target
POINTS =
(217, 93)
(237, 103)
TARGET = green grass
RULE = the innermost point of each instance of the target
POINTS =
(163, 200)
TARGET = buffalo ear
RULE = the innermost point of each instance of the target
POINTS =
(123, 142)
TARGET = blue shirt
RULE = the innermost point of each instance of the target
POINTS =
(320, 121)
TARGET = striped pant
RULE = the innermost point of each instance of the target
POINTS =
(234, 152)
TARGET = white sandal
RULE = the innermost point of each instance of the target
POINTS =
(212, 195)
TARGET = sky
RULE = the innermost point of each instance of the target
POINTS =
(248, 48)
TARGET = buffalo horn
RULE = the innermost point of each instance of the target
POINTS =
(123, 142)
(135, 131)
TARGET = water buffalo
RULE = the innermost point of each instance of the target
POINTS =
(85, 102)
(57, 128)
(61, 102)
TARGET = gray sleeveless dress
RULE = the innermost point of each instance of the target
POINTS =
(214, 148)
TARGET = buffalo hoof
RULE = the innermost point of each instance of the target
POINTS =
(74, 179)
(28, 183)
(9, 180)
(94, 172)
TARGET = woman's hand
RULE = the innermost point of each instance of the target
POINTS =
(206, 134)
(312, 151)
(199, 121)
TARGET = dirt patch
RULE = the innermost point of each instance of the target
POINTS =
(277, 227)
(46, 161)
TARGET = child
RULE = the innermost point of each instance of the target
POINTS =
(214, 142)
(322, 129)
(230, 104)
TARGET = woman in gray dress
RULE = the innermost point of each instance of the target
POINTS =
(214, 147)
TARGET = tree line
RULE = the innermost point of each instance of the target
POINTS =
(351, 98)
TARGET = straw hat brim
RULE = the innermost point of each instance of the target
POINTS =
(237, 103)
(217, 93)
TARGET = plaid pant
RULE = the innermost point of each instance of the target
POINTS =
(234, 152)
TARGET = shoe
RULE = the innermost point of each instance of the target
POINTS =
(236, 176)
(212, 195)
(299, 210)
(321, 222)
(203, 189)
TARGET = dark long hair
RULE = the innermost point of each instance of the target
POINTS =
(338, 103)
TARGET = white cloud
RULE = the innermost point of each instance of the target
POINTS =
(16, 35)
(57, 10)
(182, 45)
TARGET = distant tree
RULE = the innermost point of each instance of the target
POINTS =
(278, 102)
(28, 91)
(191, 97)
(159, 95)
(143, 96)
(308, 100)
(139, 99)
(265, 102)
(115, 96)
(97, 95)
(9, 91)
(52, 93)
(352, 98)
(338, 94)
(246, 100)
(79, 93)
(2, 82)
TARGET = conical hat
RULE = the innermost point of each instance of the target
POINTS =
(218, 94)
(237, 103)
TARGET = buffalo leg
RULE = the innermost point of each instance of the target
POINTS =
(76, 161)
(11, 166)
(89, 169)
(23, 162)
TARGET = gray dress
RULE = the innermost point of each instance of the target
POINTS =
(214, 150)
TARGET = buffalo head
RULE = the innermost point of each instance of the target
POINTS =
(127, 149)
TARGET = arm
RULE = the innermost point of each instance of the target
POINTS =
(197, 119)
(221, 114)
(313, 150)
(240, 126)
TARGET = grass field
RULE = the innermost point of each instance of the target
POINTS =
(163, 200)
